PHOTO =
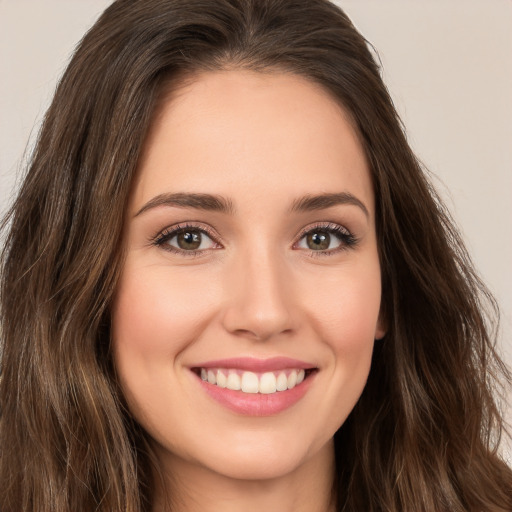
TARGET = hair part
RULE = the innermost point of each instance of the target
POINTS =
(424, 433)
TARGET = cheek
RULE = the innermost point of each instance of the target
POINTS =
(346, 318)
(347, 311)
(157, 316)
(154, 319)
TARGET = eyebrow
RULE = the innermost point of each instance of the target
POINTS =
(323, 201)
(207, 202)
(217, 203)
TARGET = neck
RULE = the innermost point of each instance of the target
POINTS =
(193, 488)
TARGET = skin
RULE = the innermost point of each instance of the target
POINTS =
(254, 289)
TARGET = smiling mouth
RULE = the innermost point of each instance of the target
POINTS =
(254, 382)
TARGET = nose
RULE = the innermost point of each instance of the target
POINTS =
(259, 298)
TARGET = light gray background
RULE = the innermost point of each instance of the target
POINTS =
(447, 63)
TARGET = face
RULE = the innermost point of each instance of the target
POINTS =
(252, 263)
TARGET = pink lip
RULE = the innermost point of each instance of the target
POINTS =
(251, 364)
(256, 404)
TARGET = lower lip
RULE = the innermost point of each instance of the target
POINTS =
(257, 404)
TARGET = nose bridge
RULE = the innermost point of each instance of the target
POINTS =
(259, 299)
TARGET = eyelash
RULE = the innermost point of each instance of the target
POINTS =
(169, 233)
(347, 239)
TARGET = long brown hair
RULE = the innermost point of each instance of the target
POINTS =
(425, 431)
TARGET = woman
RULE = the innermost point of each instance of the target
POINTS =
(228, 284)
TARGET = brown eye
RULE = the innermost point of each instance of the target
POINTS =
(186, 239)
(189, 240)
(318, 240)
(326, 239)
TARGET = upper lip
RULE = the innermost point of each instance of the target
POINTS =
(257, 365)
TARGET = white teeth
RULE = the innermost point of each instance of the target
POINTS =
(292, 379)
(282, 382)
(250, 382)
(233, 382)
(267, 383)
(222, 380)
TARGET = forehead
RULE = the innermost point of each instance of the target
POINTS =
(245, 133)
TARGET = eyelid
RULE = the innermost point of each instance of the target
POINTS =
(171, 231)
(326, 225)
(347, 239)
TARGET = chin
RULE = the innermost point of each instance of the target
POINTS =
(259, 464)
(256, 456)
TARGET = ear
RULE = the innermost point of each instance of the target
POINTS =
(382, 326)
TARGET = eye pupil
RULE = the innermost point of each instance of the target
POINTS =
(189, 240)
(318, 240)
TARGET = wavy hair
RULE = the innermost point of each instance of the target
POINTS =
(425, 432)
